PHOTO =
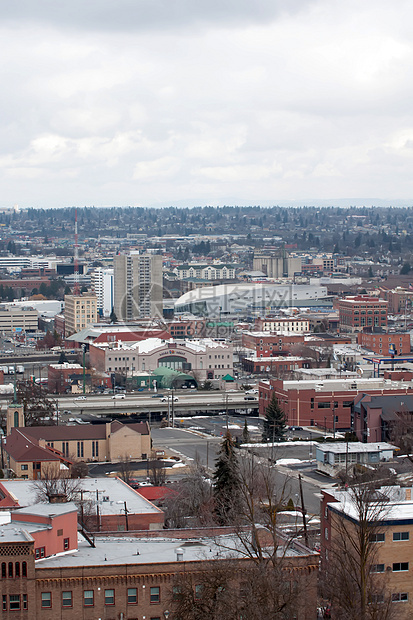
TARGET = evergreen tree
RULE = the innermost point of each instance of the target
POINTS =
(275, 422)
(226, 482)
(245, 433)
(113, 318)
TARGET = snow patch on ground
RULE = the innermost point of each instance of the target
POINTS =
(288, 461)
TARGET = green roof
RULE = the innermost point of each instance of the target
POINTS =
(168, 376)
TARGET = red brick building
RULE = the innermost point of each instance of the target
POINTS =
(362, 311)
(327, 404)
(118, 577)
(382, 343)
(268, 344)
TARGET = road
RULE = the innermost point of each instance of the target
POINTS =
(187, 403)
(189, 444)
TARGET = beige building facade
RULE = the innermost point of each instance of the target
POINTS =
(80, 311)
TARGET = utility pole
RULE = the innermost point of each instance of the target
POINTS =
(303, 510)
(84, 369)
(126, 517)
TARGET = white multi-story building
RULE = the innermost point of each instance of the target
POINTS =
(205, 272)
(206, 358)
(138, 286)
(102, 285)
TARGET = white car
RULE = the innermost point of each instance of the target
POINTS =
(80, 398)
(118, 396)
(166, 398)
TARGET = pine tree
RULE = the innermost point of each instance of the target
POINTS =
(245, 433)
(275, 422)
(226, 482)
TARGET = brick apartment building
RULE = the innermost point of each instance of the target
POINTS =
(360, 312)
(328, 403)
(118, 577)
(391, 539)
(383, 343)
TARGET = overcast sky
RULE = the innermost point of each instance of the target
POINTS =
(195, 102)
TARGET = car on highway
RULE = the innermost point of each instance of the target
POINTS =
(156, 396)
(251, 391)
(67, 412)
(80, 398)
(250, 397)
(115, 396)
(164, 399)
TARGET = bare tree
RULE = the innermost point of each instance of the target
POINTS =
(191, 503)
(125, 469)
(350, 579)
(37, 408)
(157, 472)
(58, 487)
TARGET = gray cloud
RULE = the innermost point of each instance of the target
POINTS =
(136, 15)
(210, 103)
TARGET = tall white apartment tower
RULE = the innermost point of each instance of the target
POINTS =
(102, 285)
(138, 286)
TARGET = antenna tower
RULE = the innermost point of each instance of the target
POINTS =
(76, 289)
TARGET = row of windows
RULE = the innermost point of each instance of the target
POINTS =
(397, 597)
(15, 602)
(397, 536)
(89, 597)
(13, 570)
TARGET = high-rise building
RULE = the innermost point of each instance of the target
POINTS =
(80, 311)
(138, 286)
(102, 285)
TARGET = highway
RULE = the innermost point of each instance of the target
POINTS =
(187, 403)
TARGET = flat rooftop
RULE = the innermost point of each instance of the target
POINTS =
(112, 492)
(124, 550)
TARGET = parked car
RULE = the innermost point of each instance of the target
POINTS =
(295, 428)
(118, 396)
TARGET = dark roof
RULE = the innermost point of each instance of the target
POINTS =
(388, 403)
(23, 448)
(81, 432)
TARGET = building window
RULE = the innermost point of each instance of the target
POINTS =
(109, 597)
(80, 449)
(198, 592)
(324, 405)
(4, 602)
(24, 467)
(3, 570)
(67, 599)
(17, 569)
(46, 600)
(14, 602)
(377, 568)
(24, 601)
(155, 594)
(24, 569)
(176, 593)
(66, 544)
(400, 566)
(397, 536)
(88, 598)
(11, 569)
(399, 597)
(132, 596)
(376, 538)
